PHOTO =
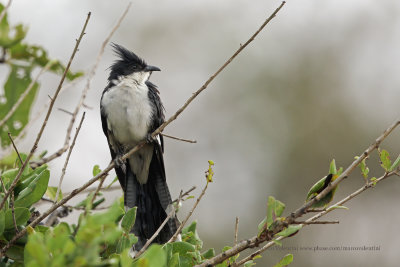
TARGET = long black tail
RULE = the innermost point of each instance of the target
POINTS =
(152, 200)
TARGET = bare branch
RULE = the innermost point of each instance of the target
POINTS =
(97, 190)
(173, 238)
(14, 183)
(68, 156)
(313, 219)
(236, 229)
(15, 148)
(185, 194)
(25, 93)
(13, 212)
(179, 139)
(255, 241)
(90, 76)
(316, 222)
(66, 111)
(141, 144)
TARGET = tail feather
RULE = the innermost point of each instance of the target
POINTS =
(152, 200)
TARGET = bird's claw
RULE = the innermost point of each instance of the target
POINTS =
(119, 161)
(150, 139)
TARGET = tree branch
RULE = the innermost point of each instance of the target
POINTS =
(141, 144)
(15, 148)
(3, 13)
(14, 183)
(255, 241)
(25, 93)
(90, 76)
(173, 238)
(67, 158)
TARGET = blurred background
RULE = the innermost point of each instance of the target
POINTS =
(320, 82)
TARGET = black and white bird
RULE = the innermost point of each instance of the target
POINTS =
(131, 110)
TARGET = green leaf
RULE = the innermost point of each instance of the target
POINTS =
(113, 181)
(51, 193)
(96, 170)
(174, 261)
(18, 33)
(249, 263)
(2, 222)
(291, 229)
(337, 207)
(208, 254)
(385, 159)
(262, 226)
(395, 164)
(22, 215)
(154, 256)
(332, 167)
(278, 242)
(285, 261)
(364, 169)
(373, 181)
(190, 235)
(129, 220)
(37, 56)
(18, 81)
(34, 192)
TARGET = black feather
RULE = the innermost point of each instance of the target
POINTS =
(127, 63)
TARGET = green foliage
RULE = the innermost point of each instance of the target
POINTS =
(22, 59)
(385, 159)
(275, 209)
(323, 183)
(96, 242)
(285, 261)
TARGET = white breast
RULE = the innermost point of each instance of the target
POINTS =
(128, 112)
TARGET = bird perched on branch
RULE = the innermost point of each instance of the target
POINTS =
(131, 110)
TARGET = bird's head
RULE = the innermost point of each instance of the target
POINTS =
(129, 66)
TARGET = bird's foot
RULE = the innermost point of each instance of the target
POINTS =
(119, 161)
(150, 139)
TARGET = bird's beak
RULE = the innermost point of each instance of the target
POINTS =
(151, 68)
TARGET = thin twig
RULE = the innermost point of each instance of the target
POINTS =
(3, 13)
(178, 231)
(313, 219)
(2, 184)
(65, 111)
(97, 190)
(138, 146)
(172, 213)
(67, 158)
(13, 212)
(316, 222)
(255, 241)
(236, 229)
(25, 93)
(90, 76)
(14, 183)
(179, 139)
(185, 194)
(15, 148)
